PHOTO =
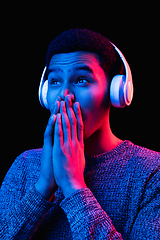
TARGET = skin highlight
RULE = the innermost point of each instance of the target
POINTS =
(92, 93)
(78, 98)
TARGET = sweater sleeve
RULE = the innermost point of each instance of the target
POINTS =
(86, 217)
(147, 222)
(89, 221)
(21, 206)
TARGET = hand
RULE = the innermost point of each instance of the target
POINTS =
(46, 184)
(68, 149)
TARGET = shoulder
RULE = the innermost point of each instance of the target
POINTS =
(144, 160)
(29, 157)
(32, 154)
(26, 164)
(144, 155)
(30, 160)
(23, 173)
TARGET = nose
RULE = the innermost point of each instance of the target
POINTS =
(64, 92)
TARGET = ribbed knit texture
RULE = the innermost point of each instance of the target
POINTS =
(122, 200)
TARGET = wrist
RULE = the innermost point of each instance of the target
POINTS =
(67, 191)
(46, 191)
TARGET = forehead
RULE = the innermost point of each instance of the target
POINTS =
(69, 61)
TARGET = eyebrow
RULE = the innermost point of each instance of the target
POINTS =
(54, 70)
(85, 68)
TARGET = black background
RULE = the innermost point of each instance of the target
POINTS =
(27, 30)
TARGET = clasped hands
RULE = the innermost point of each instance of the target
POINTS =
(63, 160)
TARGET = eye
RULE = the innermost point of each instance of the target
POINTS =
(82, 82)
(54, 82)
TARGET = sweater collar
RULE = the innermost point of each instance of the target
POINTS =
(110, 154)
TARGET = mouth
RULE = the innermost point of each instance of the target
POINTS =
(55, 108)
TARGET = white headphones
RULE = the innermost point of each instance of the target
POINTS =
(121, 87)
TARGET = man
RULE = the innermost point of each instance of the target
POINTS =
(85, 183)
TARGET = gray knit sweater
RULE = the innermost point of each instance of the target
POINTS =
(122, 200)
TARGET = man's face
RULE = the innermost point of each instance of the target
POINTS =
(80, 75)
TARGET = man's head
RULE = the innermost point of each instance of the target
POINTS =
(81, 63)
(86, 40)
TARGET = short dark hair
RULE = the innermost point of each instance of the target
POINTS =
(86, 40)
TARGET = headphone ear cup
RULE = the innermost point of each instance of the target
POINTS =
(128, 93)
(44, 94)
(117, 91)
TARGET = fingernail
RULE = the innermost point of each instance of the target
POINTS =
(59, 116)
(68, 100)
(63, 103)
(77, 105)
(59, 98)
(52, 117)
(68, 97)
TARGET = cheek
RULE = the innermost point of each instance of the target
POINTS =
(92, 100)
(93, 107)
(89, 104)
(51, 98)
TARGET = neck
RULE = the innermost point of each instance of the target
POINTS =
(101, 141)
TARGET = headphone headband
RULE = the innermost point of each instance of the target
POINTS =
(126, 82)
(121, 88)
(42, 92)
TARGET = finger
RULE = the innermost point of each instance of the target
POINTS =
(58, 133)
(65, 122)
(48, 134)
(72, 117)
(55, 108)
(80, 126)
